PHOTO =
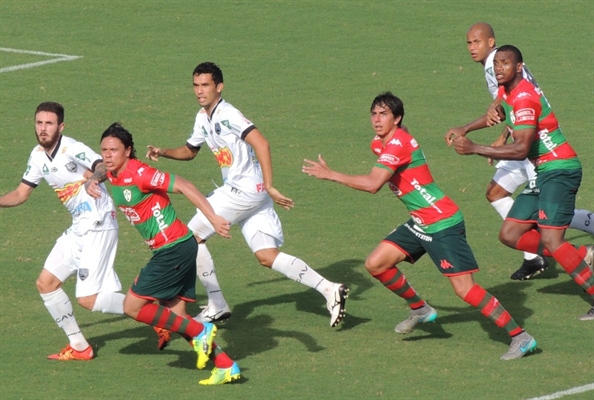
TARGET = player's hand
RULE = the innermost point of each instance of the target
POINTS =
(318, 169)
(153, 153)
(493, 115)
(452, 134)
(93, 189)
(221, 226)
(280, 199)
(463, 145)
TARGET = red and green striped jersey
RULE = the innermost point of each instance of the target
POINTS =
(413, 184)
(140, 192)
(527, 108)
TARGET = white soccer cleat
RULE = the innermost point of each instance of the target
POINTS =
(209, 314)
(336, 303)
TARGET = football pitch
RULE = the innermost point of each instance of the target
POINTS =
(305, 72)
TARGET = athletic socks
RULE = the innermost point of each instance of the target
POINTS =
(502, 206)
(492, 309)
(60, 308)
(205, 270)
(162, 317)
(530, 241)
(583, 220)
(109, 303)
(297, 270)
(220, 358)
(396, 282)
(572, 261)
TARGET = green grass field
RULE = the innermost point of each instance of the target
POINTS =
(305, 72)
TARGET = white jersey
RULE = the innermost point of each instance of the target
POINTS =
(224, 132)
(492, 84)
(63, 170)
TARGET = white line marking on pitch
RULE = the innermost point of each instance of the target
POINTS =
(575, 390)
(59, 58)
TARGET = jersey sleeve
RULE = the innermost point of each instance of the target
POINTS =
(152, 180)
(235, 122)
(199, 132)
(83, 155)
(33, 174)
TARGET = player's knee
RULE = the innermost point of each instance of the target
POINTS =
(47, 285)
(87, 302)
(507, 236)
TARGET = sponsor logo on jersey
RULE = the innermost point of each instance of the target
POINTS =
(525, 114)
(70, 167)
(224, 157)
(413, 143)
(140, 171)
(388, 159)
(158, 178)
(127, 195)
(159, 217)
(542, 214)
(128, 180)
(523, 94)
(130, 214)
(395, 142)
(28, 169)
(217, 128)
(45, 170)
(490, 71)
(69, 191)
(81, 208)
(395, 189)
(83, 157)
(83, 273)
(426, 195)
(204, 131)
(546, 140)
(227, 124)
(54, 170)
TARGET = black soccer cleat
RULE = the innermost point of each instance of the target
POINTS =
(530, 268)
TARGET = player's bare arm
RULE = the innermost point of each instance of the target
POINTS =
(495, 113)
(371, 182)
(262, 149)
(460, 131)
(17, 196)
(183, 153)
(517, 150)
(185, 187)
(94, 178)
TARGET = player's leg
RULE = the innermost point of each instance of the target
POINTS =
(98, 286)
(59, 265)
(510, 176)
(583, 220)
(398, 246)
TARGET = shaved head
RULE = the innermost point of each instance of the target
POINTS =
(484, 28)
(480, 40)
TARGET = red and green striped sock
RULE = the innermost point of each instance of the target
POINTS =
(396, 282)
(162, 317)
(572, 261)
(492, 309)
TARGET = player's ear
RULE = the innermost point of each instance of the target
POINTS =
(397, 120)
(61, 127)
(220, 87)
(491, 42)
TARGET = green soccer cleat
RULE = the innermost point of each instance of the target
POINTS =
(202, 344)
(423, 314)
(220, 376)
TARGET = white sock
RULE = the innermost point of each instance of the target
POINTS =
(502, 206)
(205, 270)
(583, 220)
(60, 308)
(297, 270)
(110, 303)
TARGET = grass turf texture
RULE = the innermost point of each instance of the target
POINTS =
(305, 73)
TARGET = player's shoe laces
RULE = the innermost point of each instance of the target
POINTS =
(164, 336)
(209, 314)
(70, 354)
(530, 268)
(223, 375)
(202, 344)
(336, 303)
(423, 314)
(521, 345)
(589, 316)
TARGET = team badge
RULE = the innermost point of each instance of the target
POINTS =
(217, 128)
(127, 195)
(83, 273)
(71, 166)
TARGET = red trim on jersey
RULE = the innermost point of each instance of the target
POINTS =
(421, 174)
(562, 152)
(430, 214)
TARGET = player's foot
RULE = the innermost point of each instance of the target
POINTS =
(209, 314)
(336, 303)
(202, 344)
(589, 316)
(223, 375)
(164, 337)
(521, 345)
(423, 314)
(69, 354)
(530, 268)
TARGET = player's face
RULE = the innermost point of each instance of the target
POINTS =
(506, 68)
(47, 129)
(114, 154)
(479, 45)
(206, 91)
(383, 121)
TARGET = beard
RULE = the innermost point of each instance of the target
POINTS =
(48, 140)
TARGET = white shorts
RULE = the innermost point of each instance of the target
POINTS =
(510, 175)
(252, 216)
(90, 257)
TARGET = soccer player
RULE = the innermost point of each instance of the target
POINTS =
(549, 204)
(246, 198)
(140, 192)
(511, 174)
(88, 247)
(436, 225)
